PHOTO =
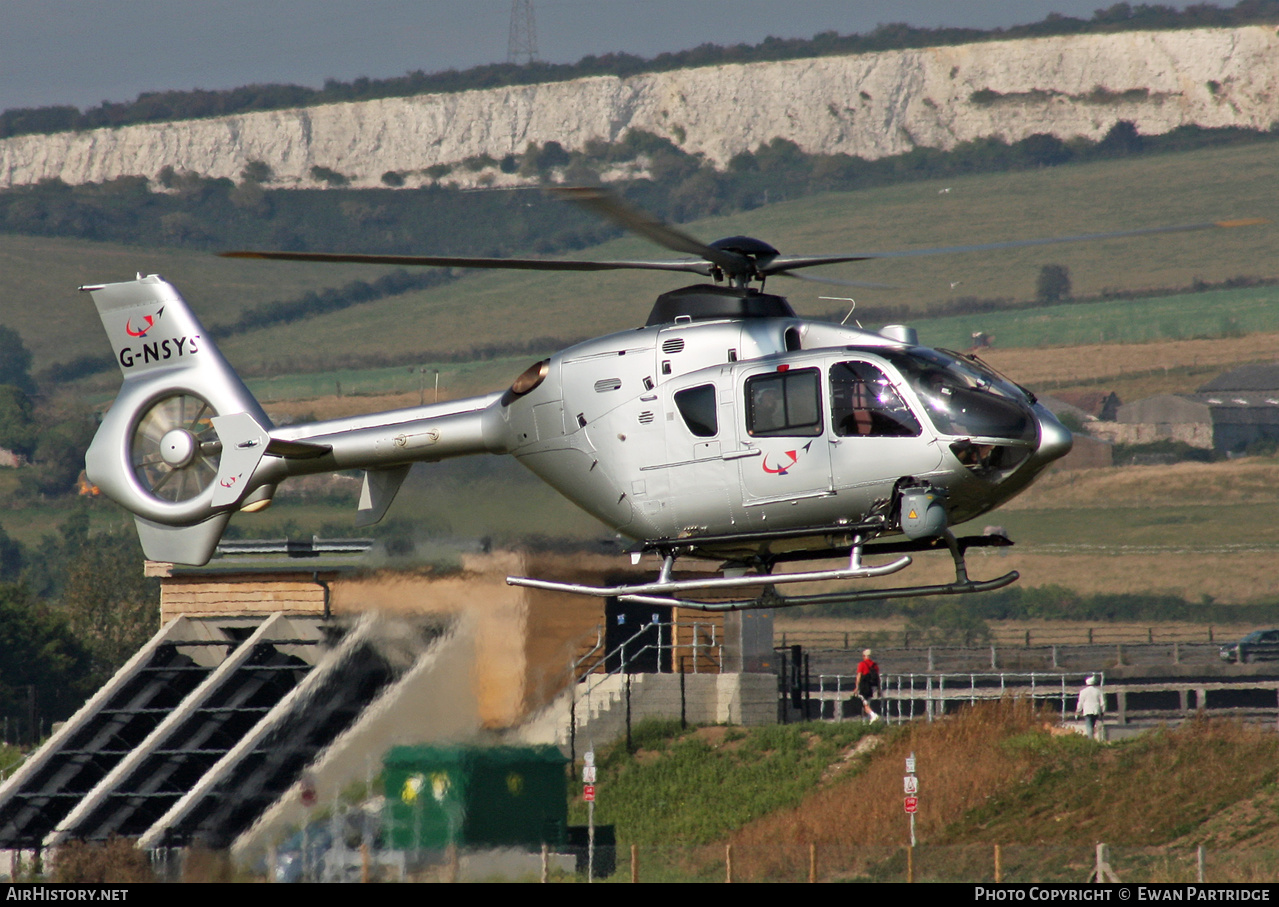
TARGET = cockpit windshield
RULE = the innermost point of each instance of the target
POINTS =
(964, 397)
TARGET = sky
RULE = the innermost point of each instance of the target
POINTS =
(83, 52)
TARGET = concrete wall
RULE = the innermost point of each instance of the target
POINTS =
(427, 705)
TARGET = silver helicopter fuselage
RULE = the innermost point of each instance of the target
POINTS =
(686, 428)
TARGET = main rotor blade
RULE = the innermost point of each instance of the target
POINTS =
(836, 281)
(454, 261)
(611, 207)
(790, 262)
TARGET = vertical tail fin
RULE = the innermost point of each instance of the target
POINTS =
(179, 445)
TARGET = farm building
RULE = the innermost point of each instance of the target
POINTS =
(1234, 411)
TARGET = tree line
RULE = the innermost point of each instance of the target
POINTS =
(73, 609)
(160, 106)
(75, 605)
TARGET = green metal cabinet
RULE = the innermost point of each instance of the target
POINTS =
(475, 796)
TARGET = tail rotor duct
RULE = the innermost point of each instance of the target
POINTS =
(174, 449)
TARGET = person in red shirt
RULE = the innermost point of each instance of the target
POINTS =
(868, 683)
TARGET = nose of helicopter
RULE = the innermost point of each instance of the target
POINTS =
(1055, 440)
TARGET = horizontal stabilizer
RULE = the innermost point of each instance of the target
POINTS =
(377, 493)
(297, 450)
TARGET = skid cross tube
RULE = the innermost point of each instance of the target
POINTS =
(771, 598)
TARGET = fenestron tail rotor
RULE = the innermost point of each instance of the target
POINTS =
(174, 449)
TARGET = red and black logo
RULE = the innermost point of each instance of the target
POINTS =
(783, 468)
(146, 323)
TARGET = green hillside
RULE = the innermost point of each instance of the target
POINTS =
(503, 310)
(1217, 313)
(39, 277)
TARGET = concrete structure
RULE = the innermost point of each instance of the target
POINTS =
(600, 706)
(525, 642)
(272, 689)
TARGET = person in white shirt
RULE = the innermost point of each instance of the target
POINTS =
(1091, 705)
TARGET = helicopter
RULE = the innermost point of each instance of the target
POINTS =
(726, 428)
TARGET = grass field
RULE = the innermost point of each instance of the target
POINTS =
(823, 802)
(1209, 315)
(38, 276)
(505, 308)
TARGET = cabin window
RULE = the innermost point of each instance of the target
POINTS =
(697, 407)
(864, 402)
(784, 404)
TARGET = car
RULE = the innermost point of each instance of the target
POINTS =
(1259, 645)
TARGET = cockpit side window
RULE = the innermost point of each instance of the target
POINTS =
(864, 402)
(697, 407)
(784, 404)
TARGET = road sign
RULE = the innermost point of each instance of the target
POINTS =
(588, 774)
(588, 793)
(911, 784)
(912, 805)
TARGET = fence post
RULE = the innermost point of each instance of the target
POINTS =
(634, 864)
(910, 863)
(683, 698)
(728, 863)
(812, 863)
(999, 867)
(1103, 872)
(994, 660)
(1199, 864)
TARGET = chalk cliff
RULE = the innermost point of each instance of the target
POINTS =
(870, 105)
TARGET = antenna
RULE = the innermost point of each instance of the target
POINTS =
(852, 304)
(522, 46)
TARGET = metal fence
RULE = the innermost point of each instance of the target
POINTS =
(1004, 637)
(905, 697)
(825, 861)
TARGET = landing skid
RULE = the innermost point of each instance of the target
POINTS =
(770, 598)
(667, 591)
